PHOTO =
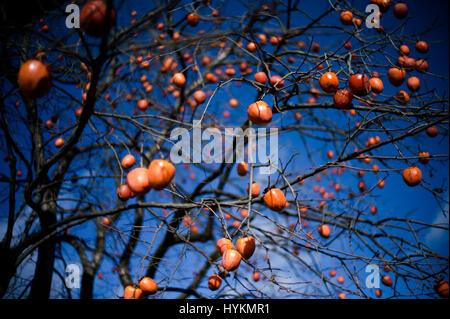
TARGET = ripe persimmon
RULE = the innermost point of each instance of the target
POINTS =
(404, 49)
(193, 19)
(106, 221)
(231, 259)
(357, 22)
(442, 288)
(242, 168)
(346, 17)
(128, 161)
(233, 102)
(324, 230)
(376, 85)
(359, 84)
(342, 98)
(214, 282)
(424, 157)
(412, 176)
(432, 131)
(421, 65)
(139, 180)
(274, 40)
(329, 82)
(148, 286)
(276, 79)
(255, 189)
(246, 246)
(413, 84)
(400, 10)
(382, 4)
(179, 79)
(386, 280)
(260, 77)
(251, 46)
(402, 97)
(223, 244)
(396, 76)
(49, 124)
(406, 62)
(124, 192)
(93, 18)
(142, 104)
(132, 293)
(199, 96)
(259, 113)
(34, 79)
(315, 47)
(59, 142)
(422, 46)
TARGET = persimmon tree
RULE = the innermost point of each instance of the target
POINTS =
(87, 178)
